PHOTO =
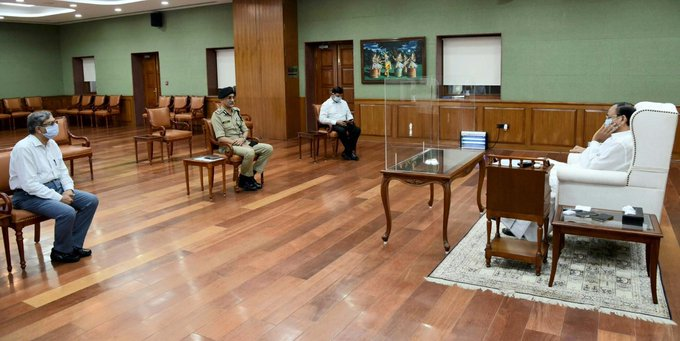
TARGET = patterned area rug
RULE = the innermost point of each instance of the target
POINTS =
(607, 276)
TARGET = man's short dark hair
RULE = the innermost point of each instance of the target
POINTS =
(625, 109)
(337, 90)
(36, 119)
(225, 92)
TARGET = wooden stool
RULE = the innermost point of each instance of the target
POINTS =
(208, 162)
(149, 139)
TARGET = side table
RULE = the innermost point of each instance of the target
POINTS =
(209, 162)
(313, 137)
(149, 139)
(649, 234)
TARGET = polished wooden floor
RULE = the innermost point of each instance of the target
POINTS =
(301, 259)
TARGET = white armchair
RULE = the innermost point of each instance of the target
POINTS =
(644, 185)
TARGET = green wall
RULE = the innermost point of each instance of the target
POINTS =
(29, 60)
(180, 43)
(553, 50)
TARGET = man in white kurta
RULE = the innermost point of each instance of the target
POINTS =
(335, 112)
(610, 149)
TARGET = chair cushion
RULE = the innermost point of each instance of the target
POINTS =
(21, 216)
(69, 111)
(183, 117)
(71, 152)
(175, 134)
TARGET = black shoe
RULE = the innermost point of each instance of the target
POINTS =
(244, 182)
(346, 156)
(254, 182)
(61, 257)
(508, 232)
(354, 156)
(79, 251)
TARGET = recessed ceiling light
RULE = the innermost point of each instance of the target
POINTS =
(20, 0)
(73, 5)
(165, 3)
(79, 15)
(118, 10)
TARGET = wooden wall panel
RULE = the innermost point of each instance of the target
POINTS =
(265, 46)
(415, 121)
(592, 121)
(454, 119)
(513, 116)
(542, 129)
(371, 119)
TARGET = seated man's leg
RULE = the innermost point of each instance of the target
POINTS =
(342, 135)
(354, 133)
(263, 151)
(86, 205)
(64, 216)
(248, 155)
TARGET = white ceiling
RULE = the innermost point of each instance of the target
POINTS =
(54, 12)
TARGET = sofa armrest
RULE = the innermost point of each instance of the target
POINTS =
(590, 176)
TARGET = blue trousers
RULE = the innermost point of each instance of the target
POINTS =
(71, 221)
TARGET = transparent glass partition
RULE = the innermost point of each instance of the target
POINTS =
(419, 127)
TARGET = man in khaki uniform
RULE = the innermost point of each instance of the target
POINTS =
(230, 128)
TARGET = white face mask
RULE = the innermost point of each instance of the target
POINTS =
(51, 131)
(336, 99)
(608, 122)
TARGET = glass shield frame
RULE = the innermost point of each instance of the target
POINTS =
(420, 129)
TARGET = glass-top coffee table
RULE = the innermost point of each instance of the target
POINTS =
(649, 233)
(429, 167)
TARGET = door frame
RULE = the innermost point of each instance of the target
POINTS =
(138, 83)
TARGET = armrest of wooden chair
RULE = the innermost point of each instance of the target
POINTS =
(86, 142)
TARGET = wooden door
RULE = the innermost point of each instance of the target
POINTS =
(152, 80)
(146, 81)
(332, 65)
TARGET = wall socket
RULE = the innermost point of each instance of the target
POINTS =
(503, 126)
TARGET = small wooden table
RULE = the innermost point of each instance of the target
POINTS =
(149, 139)
(208, 162)
(314, 137)
(429, 167)
(649, 234)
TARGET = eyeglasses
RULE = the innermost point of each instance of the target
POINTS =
(49, 124)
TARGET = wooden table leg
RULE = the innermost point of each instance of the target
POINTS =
(5, 240)
(429, 203)
(136, 156)
(211, 178)
(480, 183)
(299, 147)
(447, 207)
(385, 194)
(149, 151)
(653, 262)
(558, 239)
(186, 175)
(200, 172)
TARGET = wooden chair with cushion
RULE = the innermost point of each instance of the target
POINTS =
(34, 104)
(180, 105)
(213, 146)
(75, 101)
(112, 109)
(160, 124)
(4, 117)
(163, 102)
(15, 109)
(194, 113)
(88, 111)
(326, 129)
(13, 218)
(70, 151)
(85, 102)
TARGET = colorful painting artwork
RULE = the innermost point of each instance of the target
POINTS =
(392, 59)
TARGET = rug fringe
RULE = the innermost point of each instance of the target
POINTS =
(513, 294)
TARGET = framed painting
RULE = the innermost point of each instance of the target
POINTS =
(392, 59)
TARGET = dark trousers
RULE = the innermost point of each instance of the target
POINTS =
(349, 135)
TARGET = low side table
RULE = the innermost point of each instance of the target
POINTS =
(314, 137)
(209, 162)
(649, 234)
(149, 139)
